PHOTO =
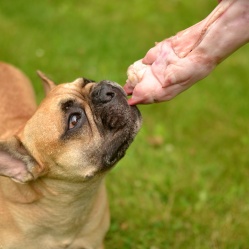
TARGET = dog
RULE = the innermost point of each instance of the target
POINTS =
(54, 158)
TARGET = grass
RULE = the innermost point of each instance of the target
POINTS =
(184, 181)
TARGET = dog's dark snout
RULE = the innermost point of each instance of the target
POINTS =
(104, 94)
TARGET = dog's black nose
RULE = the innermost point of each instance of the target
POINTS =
(104, 93)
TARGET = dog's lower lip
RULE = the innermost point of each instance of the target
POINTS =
(116, 156)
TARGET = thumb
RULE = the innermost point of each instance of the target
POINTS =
(178, 73)
(151, 55)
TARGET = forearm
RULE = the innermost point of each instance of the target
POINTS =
(218, 35)
(228, 33)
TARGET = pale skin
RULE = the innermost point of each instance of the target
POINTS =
(178, 62)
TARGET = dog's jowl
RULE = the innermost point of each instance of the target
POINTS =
(53, 160)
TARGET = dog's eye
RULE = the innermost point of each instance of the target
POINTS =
(73, 120)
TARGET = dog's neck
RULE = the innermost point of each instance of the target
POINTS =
(56, 203)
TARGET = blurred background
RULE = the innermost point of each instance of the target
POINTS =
(184, 181)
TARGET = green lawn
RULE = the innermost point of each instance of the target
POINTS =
(184, 181)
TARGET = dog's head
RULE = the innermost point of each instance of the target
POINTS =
(80, 129)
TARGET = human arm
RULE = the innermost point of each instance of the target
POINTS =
(178, 62)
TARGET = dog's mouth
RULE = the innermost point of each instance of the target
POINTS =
(117, 122)
(114, 153)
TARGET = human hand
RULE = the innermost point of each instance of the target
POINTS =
(162, 74)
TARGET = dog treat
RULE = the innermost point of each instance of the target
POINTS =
(136, 72)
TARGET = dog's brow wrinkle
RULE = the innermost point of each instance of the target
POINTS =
(67, 104)
(86, 81)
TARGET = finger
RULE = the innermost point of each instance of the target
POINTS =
(137, 100)
(184, 72)
(168, 93)
(128, 88)
(159, 95)
(151, 55)
(133, 101)
(144, 92)
(176, 74)
(166, 57)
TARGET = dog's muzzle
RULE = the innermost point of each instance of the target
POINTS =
(117, 121)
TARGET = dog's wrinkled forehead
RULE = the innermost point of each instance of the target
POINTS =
(81, 82)
(86, 81)
(77, 87)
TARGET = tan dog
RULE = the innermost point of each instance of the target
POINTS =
(61, 151)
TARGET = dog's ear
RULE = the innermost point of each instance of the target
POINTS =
(47, 83)
(16, 163)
